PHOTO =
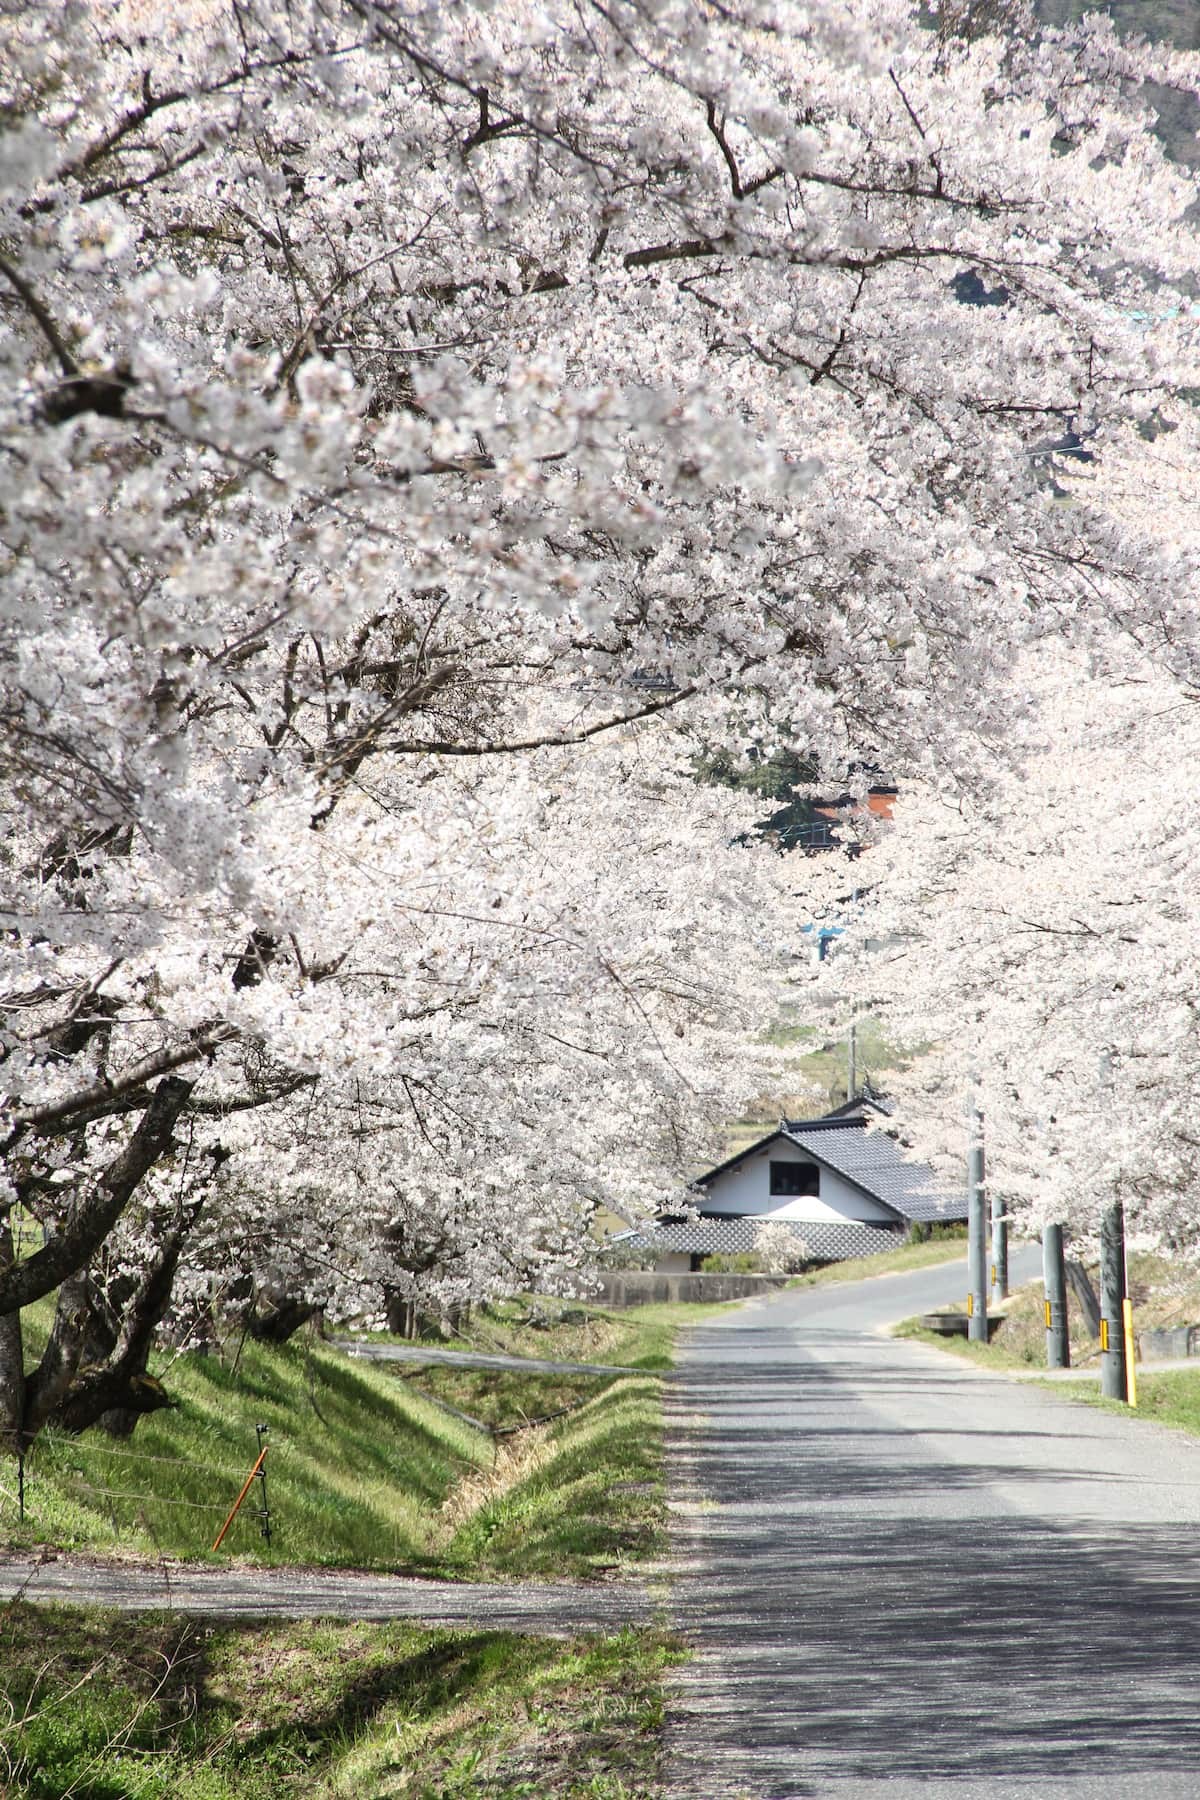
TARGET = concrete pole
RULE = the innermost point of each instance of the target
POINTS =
(852, 1063)
(1054, 1268)
(977, 1222)
(999, 1249)
(1112, 1297)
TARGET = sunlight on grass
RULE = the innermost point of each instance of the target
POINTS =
(366, 1466)
(164, 1708)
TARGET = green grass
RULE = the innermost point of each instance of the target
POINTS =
(100, 1706)
(357, 1467)
(989, 1356)
(586, 1496)
(639, 1338)
(370, 1470)
(1169, 1397)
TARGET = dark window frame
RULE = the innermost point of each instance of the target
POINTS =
(794, 1180)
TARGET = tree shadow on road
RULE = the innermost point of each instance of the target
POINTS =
(871, 1631)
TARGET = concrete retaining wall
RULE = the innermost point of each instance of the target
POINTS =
(637, 1287)
(1169, 1342)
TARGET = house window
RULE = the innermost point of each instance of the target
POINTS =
(795, 1178)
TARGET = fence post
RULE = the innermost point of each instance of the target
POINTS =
(246, 1486)
(264, 1511)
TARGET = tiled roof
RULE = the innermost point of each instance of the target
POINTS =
(729, 1237)
(874, 1161)
(865, 1155)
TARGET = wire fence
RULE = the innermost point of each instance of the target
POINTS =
(68, 1470)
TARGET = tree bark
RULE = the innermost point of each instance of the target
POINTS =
(94, 1214)
(111, 1386)
(47, 1386)
(12, 1355)
(274, 1318)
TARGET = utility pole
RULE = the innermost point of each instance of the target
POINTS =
(1113, 1382)
(852, 1062)
(977, 1295)
(1054, 1269)
(999, 1249)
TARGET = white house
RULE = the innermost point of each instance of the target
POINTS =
(840, 1183)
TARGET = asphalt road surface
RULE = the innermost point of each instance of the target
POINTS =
(907, 1577)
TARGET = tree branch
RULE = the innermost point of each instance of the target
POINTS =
(52, 1112)
(740, 192)
(93, 1215)
(39, 312)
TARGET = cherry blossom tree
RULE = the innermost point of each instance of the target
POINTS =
(424, 427)
(1036, 941)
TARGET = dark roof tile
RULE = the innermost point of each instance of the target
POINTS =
(875, 1162)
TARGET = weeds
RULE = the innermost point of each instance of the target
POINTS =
(101, 1707)
(367, 1468)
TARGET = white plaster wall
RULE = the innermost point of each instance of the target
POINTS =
(745, 1191)
(673, 1262)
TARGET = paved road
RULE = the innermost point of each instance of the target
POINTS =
(907, 1577)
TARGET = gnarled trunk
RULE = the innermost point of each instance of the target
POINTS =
(93, 1368)
(275, 1316)
(12, 1357)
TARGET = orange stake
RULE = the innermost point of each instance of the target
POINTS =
(262, 1457)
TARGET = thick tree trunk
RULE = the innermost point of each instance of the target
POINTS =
(274, 1318)
(115, 1390)
(94, 1362)
(46, 1387)
(12, 1357)
(95, 1213)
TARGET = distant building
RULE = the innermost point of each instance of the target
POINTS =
(840, 1183)
(826, 827)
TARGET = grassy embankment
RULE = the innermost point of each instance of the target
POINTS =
(102, 1707)
(1163, 1293)
(368, 1468)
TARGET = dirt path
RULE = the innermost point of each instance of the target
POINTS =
(474, 1359)
(559, 1609)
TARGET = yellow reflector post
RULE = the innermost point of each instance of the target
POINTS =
(1130, 1357)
